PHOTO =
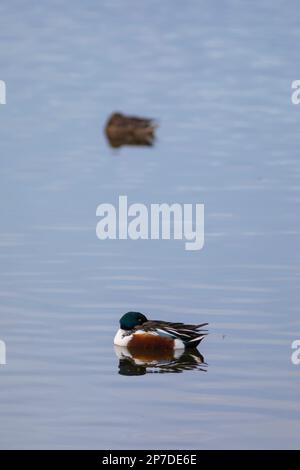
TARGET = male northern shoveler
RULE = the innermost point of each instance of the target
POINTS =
(137, 333)
(129, 130)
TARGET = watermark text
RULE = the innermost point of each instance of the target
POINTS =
(158, 221)
(295, 97)
(295, 357)
(2, 92)
(2, 353)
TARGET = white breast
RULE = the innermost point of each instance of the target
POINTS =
(122, 338)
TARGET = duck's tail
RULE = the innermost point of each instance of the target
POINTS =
(190, 335)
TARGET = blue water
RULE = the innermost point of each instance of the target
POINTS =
(217, 76)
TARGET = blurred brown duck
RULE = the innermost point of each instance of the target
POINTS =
(130, 130)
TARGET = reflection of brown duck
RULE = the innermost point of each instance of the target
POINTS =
(179, 361)
(129, 130)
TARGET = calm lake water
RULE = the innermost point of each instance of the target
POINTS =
(217, 76)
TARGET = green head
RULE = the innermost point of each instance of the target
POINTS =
(132, 319)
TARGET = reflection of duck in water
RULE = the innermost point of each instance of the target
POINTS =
(159, 362)
(129, 130)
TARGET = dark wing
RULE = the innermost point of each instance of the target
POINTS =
(141, 122)
(191, 335)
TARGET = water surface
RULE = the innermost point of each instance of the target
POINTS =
(218, 78)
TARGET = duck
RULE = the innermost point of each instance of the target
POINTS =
(138, 334)
(129, 130)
